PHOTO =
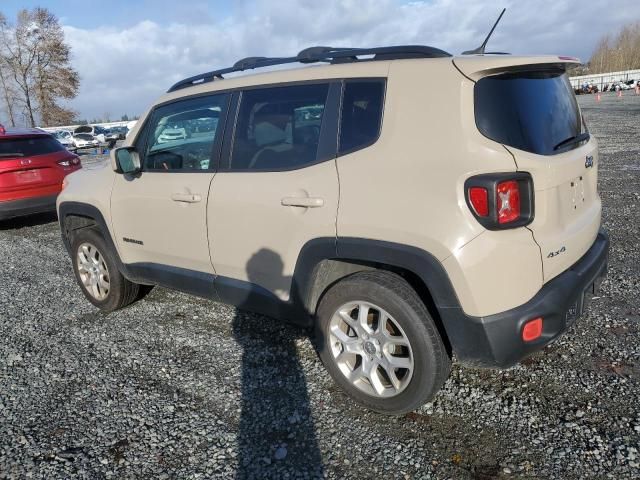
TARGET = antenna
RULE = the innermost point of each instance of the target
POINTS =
(480, 49)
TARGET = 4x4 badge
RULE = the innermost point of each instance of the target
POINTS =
(557, 252)
(588, 163)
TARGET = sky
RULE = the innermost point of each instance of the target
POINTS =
(129, 52)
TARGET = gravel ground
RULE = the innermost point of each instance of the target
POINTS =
(177, 387)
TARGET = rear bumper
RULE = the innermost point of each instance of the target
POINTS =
(496, 340)
(27, 206)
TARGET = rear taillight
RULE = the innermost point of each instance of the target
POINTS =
(501, 200)
(508, 201)
(70, 162)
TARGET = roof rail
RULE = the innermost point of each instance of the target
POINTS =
(317, 54)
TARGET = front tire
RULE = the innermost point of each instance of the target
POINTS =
(379, 343)
(97, 273)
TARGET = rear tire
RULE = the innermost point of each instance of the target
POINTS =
(379, 343)
(97, 273)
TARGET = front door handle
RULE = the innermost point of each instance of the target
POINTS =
(186, 197)
(305, 202)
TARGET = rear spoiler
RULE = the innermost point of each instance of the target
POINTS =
(477, 66)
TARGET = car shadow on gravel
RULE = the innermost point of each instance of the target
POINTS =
(276, 436)
(28, 221)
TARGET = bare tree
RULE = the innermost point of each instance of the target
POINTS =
(617, 54)
(38, 65)
(8, 94)
(54, 77)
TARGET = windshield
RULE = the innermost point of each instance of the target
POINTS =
(531, 111)
(84, 136)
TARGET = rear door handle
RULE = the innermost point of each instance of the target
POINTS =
(305, 202)
(186, 197)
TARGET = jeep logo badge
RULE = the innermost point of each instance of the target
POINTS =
(588, 163)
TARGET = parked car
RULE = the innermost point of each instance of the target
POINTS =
(118, 133)
(97, 132)
(85, 140)
(65, 137)
(172, 134)
(463, 224)
(33, 165)
(111, 137)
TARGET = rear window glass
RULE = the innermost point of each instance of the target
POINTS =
(28, 147)
(531, 111)
(361, 114)
(279, 128)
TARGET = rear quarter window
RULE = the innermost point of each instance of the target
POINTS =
(361, 116)
(28, 147)
(532, 111)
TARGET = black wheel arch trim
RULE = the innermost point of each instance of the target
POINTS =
(415, 260)
(66, 209)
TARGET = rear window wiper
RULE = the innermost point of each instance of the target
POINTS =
(573, 140)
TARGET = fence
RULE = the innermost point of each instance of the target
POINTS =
(602, 79)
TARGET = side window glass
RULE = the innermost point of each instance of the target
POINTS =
(278, 128)
(361, 116)
(180, 135)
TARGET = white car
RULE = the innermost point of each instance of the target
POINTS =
(172, 134)
(95, 131)
(85, 140)
(65, 137)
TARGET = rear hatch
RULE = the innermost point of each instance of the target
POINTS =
(531, 109)
(28, 166)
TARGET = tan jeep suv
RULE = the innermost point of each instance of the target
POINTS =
(408, 205)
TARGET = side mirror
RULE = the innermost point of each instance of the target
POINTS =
(126, 160)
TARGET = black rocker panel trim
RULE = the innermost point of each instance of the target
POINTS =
(200, 284)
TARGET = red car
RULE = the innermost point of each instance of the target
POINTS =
(32, 167)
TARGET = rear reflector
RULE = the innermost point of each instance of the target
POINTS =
(532, 330)
(508, 201)
(479, 198)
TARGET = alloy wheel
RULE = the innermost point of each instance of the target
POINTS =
(371, 349)
(93, 271)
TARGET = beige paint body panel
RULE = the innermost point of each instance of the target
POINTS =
(478, 66)
(91, 185)
(496, 271)
(568, 207)
(408, 188)
(248, 223)
(174, 233)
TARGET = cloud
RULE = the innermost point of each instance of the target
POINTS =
(123, 70)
